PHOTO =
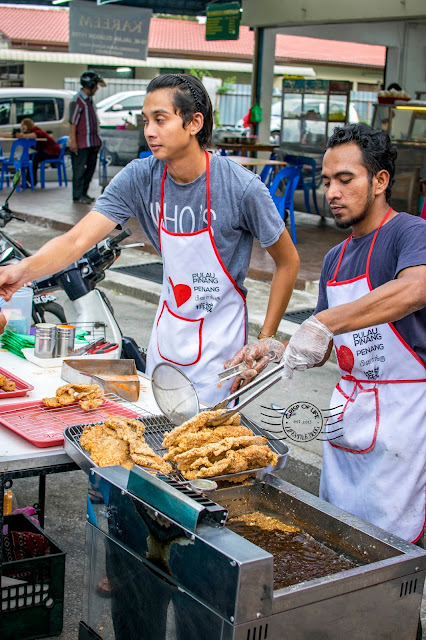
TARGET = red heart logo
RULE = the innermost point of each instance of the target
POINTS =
(345, 358)
(181, 292)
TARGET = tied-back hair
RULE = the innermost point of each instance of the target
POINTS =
(189, 97)
(378, 152)
(28, 123)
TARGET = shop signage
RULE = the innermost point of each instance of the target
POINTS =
(223, 21)
(109, 30)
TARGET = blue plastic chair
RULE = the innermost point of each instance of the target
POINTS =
(267, 172)
(21, 161)
(307, 180)
(59, 162)
(145, 154)
(290, 176)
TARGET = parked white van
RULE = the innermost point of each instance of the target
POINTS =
(48, 108)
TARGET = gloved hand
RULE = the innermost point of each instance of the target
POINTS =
(257, 355)
(308, 345)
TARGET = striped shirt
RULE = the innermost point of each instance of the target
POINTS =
(83, 115)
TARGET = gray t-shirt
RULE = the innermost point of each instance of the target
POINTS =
(241, 207)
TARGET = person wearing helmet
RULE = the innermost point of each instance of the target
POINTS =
(84, 142)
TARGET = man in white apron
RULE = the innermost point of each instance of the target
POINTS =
(201, 212)
(372, 307)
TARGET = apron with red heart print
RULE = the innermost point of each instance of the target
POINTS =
(201, 317)
(374, 462)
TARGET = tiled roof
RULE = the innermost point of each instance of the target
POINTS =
(185, 37)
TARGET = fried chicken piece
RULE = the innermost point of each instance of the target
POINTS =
(104, 450)
(152, 462)
(205, 436)
(216, 449)
(252, 457)
(93, 390)
(9, 385)
(3, 380)
(122, 428)
(195, 424)
(51, 402)
(138, 425)
(66, 388)
(217, 469)
(66, 398)
(90, 403)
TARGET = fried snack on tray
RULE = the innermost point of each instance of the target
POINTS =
(6, 384)
(120, 440)
(206, 452)
(90, 396)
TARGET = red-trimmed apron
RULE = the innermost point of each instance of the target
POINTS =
(201, 317)
(374, 463)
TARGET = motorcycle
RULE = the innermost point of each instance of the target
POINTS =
(86, 307)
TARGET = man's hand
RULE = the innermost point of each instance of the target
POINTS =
(308, 346)
(72, 146)
(12, 278)
(257, 355)
(3, 323)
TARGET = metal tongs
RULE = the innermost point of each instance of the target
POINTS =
(216, 421)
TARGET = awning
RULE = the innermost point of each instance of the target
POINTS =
(175, 7)
(23, 55)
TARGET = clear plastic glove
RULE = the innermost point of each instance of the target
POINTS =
(257, 355)
(307, 346)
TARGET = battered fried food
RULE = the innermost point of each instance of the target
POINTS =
(195, 424)
(108, 442)
(90, 403)
(90, 396)
(205, 436)
(6, 384)
(215, 450)
(9, 385)
(206, 452)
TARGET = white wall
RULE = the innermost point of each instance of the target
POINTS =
(50, 75)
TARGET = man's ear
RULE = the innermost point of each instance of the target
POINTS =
(196, 123)
(381, 181)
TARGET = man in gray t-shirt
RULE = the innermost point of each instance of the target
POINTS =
(241, 207)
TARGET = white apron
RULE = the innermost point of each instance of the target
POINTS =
(374, 463)
(201, 317)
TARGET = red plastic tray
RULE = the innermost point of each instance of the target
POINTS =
(22, 387)
(44, 427)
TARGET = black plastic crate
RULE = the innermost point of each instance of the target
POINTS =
(33, 609)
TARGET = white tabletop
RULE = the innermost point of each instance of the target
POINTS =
(16, 453)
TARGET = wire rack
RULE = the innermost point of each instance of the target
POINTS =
(155, 427)
(44, 426)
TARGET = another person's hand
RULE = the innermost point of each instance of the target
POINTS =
(257, 355)
(3, 323)
(12, 278)
(308, 346)
(72, 146)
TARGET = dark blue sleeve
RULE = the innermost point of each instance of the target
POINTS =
(326, 274)
(411, 245)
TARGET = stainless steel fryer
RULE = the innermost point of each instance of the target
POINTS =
(177, 572)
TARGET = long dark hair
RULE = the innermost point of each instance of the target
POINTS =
(377, 150)
(189, 97)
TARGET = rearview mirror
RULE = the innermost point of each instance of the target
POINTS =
(117, 107)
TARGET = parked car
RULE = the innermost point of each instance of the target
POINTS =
(120, 107)
(316, 106)
(48, 108)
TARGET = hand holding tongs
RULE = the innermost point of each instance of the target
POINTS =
(286, 375)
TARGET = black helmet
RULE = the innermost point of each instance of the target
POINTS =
(90, 79)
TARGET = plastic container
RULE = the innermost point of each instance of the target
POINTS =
(45, 340)
(18, 310)
(32, 603)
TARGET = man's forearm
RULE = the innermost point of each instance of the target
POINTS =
(388, 303)
(282, 287)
